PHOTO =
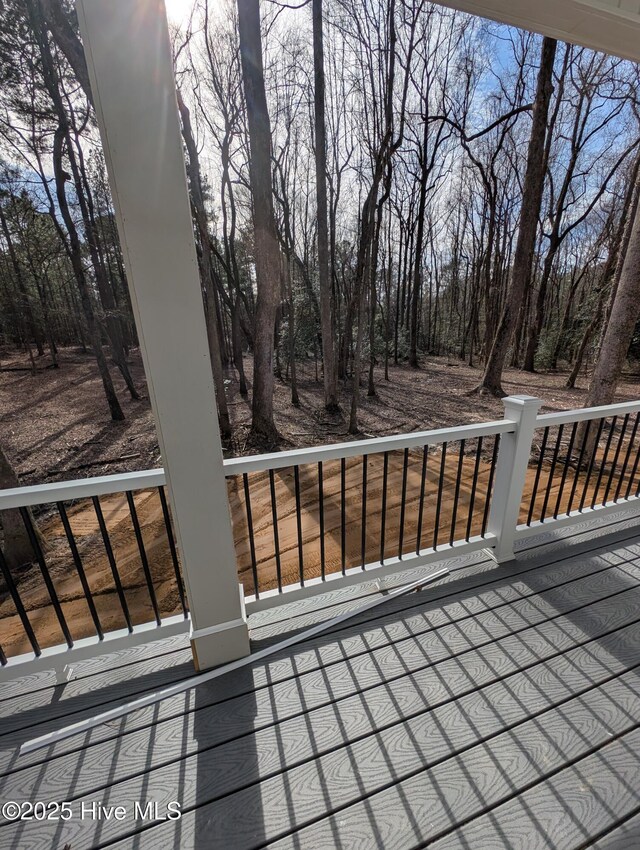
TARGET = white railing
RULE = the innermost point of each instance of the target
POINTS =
(360, 448)
(339, 514)
(618, 444)
(62, 501)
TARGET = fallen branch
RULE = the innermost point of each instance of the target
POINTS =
(90, 463)
(18, 369)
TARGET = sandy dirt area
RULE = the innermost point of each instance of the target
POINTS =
(54, 428)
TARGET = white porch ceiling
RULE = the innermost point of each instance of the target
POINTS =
(609, 25)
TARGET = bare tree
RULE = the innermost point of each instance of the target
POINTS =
(267, 255)
(326, 299)
(622, 321)
(205, 264)
(530, 211)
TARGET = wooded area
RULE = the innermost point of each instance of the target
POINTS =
(371, 183)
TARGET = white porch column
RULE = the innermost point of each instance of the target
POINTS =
(130, 67)
(511, 471)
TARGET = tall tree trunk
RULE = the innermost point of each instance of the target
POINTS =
(206, 267)
(622, 321)
(25, 300)
(16, 547)
(587, 337)
(357, 357)
(111, 315)
(362, 272)
(326, 290)
(530, 211)
(291, 334)
(75, 248)
(64, 35)
(267, 259)
(236, 342)
(417, 269)
(62, 136)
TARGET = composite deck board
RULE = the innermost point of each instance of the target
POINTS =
(447, 642)
(403, 798)
(217, 704)
(419, 700)
(439, 716)
(287, 744)
(564, 811)
(623, 836)
(383, 760)
(76, 700)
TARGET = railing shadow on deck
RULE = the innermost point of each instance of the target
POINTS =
(436, 642)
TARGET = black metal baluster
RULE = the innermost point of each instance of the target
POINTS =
(439, 498)
(633, 473)
(385, 475)
(592, 461)
(112, 561)
(554, 462)
(276, 537)
(296, 480)
(172, 549)
(17, 601)
(423, 481)
(565, 469)
(454, 513)
(363, 542)
(474, 485)
(35, 545)
(536, 481)
(607, 446)
(80, 569)
(616, 458)
(576, 477)
(403, 501)
(627, 457)
(252, 545)
(143, 556)
(3, 658)
(492, 472)
(343, 515)
(321, 510)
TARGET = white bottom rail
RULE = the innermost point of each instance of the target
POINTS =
(61, 659)
(370, 572)
(524, 531)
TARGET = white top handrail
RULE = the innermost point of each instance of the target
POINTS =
(83, 488)
(565, 417)
(278, 460)
(39, 494)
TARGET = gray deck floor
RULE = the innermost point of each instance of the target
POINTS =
(497, 708)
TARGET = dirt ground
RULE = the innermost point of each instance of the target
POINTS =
(54, 425)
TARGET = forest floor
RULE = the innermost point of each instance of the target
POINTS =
(54, 426)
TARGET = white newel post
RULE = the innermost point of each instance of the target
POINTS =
(131, 72)
(510, 475)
